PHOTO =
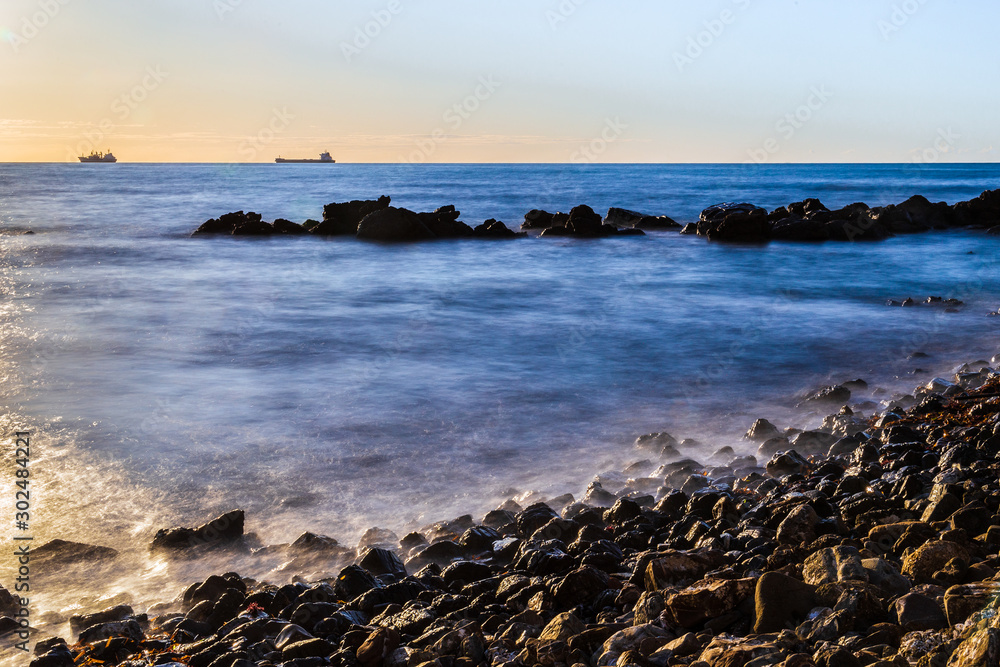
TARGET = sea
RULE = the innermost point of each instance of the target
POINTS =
(333, 385)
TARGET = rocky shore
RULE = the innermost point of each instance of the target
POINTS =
(808, 220)
(869, 541)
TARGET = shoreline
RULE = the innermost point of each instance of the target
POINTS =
(609, 544)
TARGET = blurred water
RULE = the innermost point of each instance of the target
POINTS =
(334, 385)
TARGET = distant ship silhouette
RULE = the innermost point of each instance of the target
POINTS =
(324, 158)
(99, 157)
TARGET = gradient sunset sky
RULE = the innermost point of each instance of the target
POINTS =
(510, 81)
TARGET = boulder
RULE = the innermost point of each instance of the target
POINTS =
(921, 564)
(538, 219)
(563, 627)
(734, 222)
(444, 223)
(915, 612)
(782, 602)
(833, 564)
(236, 224)
(62, 553)
(799, 527)
(225, 530)
(786, 463)
(982, 649)
(762, 431)
(583, 221)
(494, 229)
(674, 568)
(620, 217)
(282, 226)
(983, 211)
(393, 224)
(343, 219)
(962, 601)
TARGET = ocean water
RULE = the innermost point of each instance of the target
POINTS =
(335, 385)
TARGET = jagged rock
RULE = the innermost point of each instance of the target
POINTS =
(961, 601)
(708, 599)
(982, 649)
(494, 229)
(236, 224)
(677, 568)
(762, 431)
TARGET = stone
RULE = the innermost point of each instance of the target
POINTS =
(224, 530)
(921, 564)
(962, 601)
(833, 564)
(762, 431)
(562, 627)
(308, 648)
(237, 223)
(393, 224)
(835, 396)
(781, 602)
(915, 612)
(885, 576)
(786, 463)
(344, 218)
(80, 622)
(675, 568)
(580, 586)
(494, 229)
(707, 599)
(799, 527)
(380, 561)
(982, 649)
(282, 226)
(62, 553)
(379, 645)
(444, 223)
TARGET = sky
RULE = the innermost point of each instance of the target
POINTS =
(500, 81)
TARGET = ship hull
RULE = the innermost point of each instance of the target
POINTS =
(87, 159)
(281, 160)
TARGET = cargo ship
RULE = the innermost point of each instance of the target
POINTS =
(99, 157)
(324, 158)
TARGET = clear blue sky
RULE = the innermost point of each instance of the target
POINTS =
(232, 80)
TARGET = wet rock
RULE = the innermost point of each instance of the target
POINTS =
(678, 568)
(464, 572)
(308, 648)
(379, 645)
(660, 443)
(629, 639)
(128, 629)
(494, 229)
(708, 599)
(799, 527)
(623, 510)
(619, 217)
(923, 562)
(80, 622)
(533, 518)
(353, 581)
(762, 431)
(538, 219)
(962, 601)
(982, 649)
(382, 561)
(236, 224)
(786, 463)
(983, 211)
(580, 586)
(916, 612)
(393, 224)
(225, 530)
(836, 395)
(344, 218)
(61, 553)
(833, 564)
(782, 602)
(885, 576)
(562, 627)
(734, 222)
(282, 226)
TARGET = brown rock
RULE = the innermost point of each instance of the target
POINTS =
(781, 602)
(921, 564)
(707, 600)
(562, 627)
(960, 602)
(834, 564)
